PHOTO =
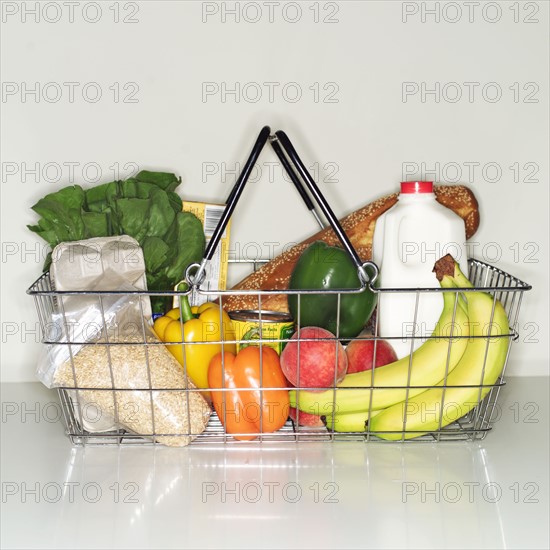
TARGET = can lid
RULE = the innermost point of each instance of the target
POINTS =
(253, 315)
(411, 187)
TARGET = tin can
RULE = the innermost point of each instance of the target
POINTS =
(274, 326)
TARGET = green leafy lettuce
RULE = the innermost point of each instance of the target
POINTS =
(145, 207)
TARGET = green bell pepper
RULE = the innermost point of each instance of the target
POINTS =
(327, 267)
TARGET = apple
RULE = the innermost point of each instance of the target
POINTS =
(361, 353)
(318, 365)
(307, 419)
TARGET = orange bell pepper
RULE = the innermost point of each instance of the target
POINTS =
(243, 407)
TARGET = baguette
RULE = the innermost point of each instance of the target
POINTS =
(359, 227)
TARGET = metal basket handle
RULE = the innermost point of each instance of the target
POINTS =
(291, 164)
(327, 211)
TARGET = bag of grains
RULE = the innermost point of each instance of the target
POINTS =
(125, 372)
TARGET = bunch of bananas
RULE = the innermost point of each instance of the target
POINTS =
(441, 381)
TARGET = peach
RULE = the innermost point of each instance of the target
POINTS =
(307, 419)
(322, 359)
(361, 353)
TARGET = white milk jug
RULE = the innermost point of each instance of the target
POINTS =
(408, 239)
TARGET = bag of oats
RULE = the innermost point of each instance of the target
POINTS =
(114, 362)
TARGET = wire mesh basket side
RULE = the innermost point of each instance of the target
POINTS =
(473, 426)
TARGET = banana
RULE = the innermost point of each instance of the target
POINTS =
(349, 422)
(363, 391)
(481, 363)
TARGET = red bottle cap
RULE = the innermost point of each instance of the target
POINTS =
(411, 187)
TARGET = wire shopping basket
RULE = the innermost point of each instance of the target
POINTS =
(117, 389)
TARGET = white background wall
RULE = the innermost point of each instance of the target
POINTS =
(361, 56)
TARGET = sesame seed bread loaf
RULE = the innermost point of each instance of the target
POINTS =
(359, 227)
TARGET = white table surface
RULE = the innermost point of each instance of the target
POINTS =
(490, 494)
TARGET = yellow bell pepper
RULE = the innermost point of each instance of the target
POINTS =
(193, 334)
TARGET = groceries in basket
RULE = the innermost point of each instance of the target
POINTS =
(362, 353)
(127, 374)
(314, 358)
(406, 377)
(144, 207)
(102, 346)
(101, 263)
(307, 343)
(365, 352)
(323, 267)
(471, 379)
(180, 328)
(80, 271)
(408, 239)
(236, 382)
(254, 327)
(468, 348)
(359, 227)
